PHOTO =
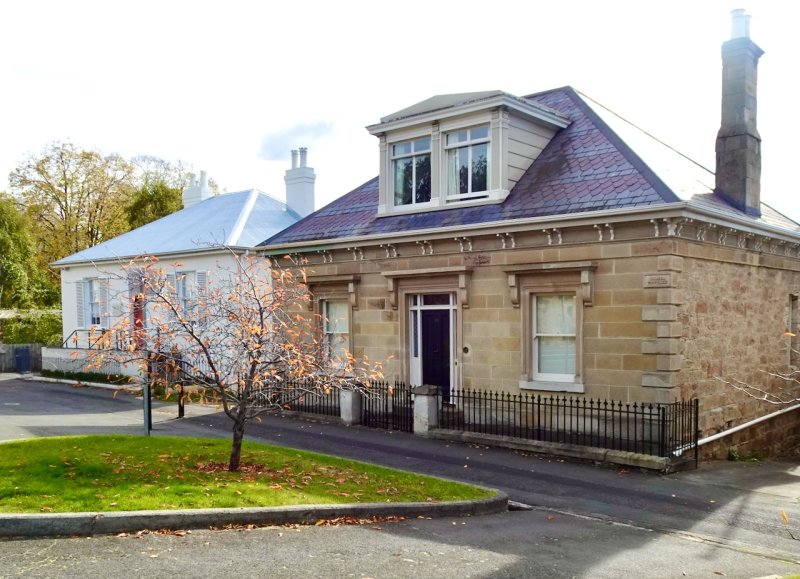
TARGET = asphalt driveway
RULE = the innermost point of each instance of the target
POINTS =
(586, 520)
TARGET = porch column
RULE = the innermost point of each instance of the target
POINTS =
(426, 409)
(350, 407)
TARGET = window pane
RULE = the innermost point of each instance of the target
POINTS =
(457, 137)
(480, 164)
(436, 300)
(480, 132)
(555, 315)
(402, 181)
(423, 176)
(337, 314)
(422, 145)
(556, 355)
(463, 170)
(401, 149)
(415, 333)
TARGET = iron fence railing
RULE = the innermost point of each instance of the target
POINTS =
(388, 406)
(644, 428)
(298, 395)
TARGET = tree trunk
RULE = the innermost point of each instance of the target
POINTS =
(236, 446)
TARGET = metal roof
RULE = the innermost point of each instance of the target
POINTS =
(240, 219)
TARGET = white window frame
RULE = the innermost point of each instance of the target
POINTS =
(450, 170)
(336, 339)
(536, 337)
(526, 281)
(412, 155)
(92, 303)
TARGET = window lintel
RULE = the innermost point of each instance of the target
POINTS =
(348, 282)
(585, 284)
(462, 271)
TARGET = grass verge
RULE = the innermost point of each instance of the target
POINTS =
(129, 473)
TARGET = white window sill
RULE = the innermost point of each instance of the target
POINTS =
(492, 197)
(550, 386)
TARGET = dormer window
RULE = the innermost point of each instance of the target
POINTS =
(467, 163)
(411, 167)
(459, 150)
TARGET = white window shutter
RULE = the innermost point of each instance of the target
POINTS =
(171, 287)
(202, 282)
(80, 306)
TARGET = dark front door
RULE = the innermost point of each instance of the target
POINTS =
(436, 350)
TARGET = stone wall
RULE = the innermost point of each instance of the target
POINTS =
(734, 317)
(775, 437)
(665, 318)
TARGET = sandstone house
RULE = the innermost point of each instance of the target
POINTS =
(542, 244)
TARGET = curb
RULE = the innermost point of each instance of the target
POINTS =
(28, 525)
(656, 463)
(37, 378)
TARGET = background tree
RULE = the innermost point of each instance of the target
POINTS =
(75, 197)
(22, 284)
(153, 200)
(148, 169)
(247, 338)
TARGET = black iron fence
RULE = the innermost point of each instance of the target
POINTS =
(298, 395)
(644, 428)
(388, 406)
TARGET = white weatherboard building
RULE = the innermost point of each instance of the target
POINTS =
(201, 238)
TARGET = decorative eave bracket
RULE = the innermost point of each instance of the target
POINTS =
(586, 269)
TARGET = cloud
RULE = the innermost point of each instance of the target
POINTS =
(276, 146)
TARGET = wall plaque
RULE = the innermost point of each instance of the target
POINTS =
(658, 280)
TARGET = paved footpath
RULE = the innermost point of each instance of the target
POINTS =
(586, 520)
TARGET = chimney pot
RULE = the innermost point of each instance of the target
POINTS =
(300, 184)
(740, 24)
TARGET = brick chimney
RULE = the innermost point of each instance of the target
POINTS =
(738, 171)
(300, 184)
(196, 191)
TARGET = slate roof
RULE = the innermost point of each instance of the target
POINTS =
(240, 219)
(586, 167)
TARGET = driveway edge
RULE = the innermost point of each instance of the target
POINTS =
(26, 525)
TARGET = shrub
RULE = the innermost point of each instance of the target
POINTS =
(33, 329)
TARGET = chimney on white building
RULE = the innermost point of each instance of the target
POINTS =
(738, 170)
(196, 191)
(300, 184)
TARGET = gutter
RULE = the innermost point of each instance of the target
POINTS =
(124, 260)
(753, 422)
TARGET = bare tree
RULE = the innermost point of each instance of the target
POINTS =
(783, 386)
(244, 335)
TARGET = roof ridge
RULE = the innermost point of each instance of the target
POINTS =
(241, 221)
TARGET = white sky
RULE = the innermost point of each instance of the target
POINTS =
(231, 87)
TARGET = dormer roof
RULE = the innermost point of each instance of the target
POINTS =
(440, 107)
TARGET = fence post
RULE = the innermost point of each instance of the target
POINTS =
(350, 406)
(426, 409)
(696, 435)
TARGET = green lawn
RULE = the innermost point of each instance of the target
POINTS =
(125, 473)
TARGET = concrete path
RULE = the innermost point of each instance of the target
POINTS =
(587, 521)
